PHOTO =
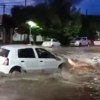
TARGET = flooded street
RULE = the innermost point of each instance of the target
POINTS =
(51, 86)
(41, 87)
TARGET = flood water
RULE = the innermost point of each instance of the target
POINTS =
(44, 87)
(50, 86)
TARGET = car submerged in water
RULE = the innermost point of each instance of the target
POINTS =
(51, 43)
(18, 58)
(80, 41)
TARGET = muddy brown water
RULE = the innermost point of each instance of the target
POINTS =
(46, 87)
(42, 87)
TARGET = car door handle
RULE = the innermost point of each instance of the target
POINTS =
(22, 61)
(41, 61)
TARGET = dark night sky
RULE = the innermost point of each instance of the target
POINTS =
(91, 7)
(10, 3)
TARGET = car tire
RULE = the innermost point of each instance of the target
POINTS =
(61, 66)
(17, 70)
(62, 69)
(80, 44)
(88, 44)
(52, 46)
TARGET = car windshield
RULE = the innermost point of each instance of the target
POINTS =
(47, 39)
(78, 38)
(42, 53)
(4, 52)
(55, 40)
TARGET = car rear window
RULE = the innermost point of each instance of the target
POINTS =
(78, 38)
(4, 52)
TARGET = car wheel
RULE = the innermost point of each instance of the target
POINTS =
(62, 69)
(80, 44)
(17, 70)
(52, 46)
(88, 44)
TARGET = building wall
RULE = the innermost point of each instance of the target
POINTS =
(23, 37)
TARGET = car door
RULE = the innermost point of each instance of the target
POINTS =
(85, 41)
(46, 60)
(27, 58)
(82, 41)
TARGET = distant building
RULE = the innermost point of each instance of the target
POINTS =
(23, 37)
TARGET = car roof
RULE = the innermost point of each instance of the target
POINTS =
(15, 46)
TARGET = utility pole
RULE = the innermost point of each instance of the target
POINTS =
(4, 6)
(25, 3)
(47, 3)
(3, 12)
(3, 18)
(86, 12)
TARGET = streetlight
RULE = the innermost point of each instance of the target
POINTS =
(31, 24)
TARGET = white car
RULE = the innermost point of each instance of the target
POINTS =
(96, 42)
(51, 43)
(80, 41)
(18, 58)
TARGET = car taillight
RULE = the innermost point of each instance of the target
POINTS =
(6, 62)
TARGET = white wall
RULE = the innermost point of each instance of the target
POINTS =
(22, 37)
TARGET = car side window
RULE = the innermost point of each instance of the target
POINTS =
(84, 38)
(42, 53)
(26, 53)
(55, 40)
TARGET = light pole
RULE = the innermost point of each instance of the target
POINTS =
(31, 24)
(30, 35)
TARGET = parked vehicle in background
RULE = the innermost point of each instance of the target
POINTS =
(96, 42)
(18, 58)
(51, 43)
(80, 41)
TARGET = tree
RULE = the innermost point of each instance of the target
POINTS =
(54, 18)
(90, 24)
(65, 24)
(59, 15)
(74, 25)
(8, 24)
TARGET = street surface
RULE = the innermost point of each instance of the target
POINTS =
(51, 86)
